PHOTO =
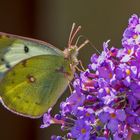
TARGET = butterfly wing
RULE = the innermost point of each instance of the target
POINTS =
(14, 49)
(34, 85)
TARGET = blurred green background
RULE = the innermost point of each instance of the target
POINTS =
(51, 20)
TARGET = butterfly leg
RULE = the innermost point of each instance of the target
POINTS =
(82, 69)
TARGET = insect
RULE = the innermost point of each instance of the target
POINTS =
(34, 74)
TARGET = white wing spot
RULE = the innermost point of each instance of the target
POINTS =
(31, 78)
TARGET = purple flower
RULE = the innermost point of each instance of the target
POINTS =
(105, 102)
(117, 117)
(81, 130)
(73, 102)
(47, 119)
(104, 117)
(131, 36)
(86, 114)
(101, 138)
(133, 21)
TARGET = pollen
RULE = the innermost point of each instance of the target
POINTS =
(135, 36)
(129, 51)
(107, 90)
(128, 71)
(83, 130)
(87, 114)
(110, 75)
(113, 115)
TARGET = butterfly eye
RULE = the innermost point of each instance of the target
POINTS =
(26, 49)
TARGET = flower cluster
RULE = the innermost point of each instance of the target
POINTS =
(105, 103)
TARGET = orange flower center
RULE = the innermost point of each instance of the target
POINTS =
(113, 115)
(129, 51)
(83, 130)
(135, 36)
(110, 75)
(107, 90)
(128, 71)
(87, 114)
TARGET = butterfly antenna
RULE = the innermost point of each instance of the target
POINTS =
(85, 42)
(94, 47)
(73, 34)
(72, 28)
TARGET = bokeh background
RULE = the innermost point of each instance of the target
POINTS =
(51, 20)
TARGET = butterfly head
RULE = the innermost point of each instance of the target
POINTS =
(71, 52)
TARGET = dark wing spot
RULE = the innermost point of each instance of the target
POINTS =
(37, 103)
(12, 82)
(13, 73)
(18, 97)
(26, 101)
(24, 62)
(7, 66)
(2, 59)
(26, 49)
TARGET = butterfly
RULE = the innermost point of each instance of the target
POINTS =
(34, 74)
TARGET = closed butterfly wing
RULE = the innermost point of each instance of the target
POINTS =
(14, 49)
(34, 85)
(33, 74)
